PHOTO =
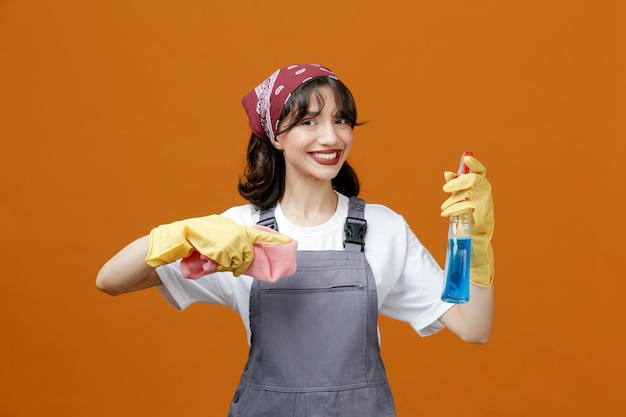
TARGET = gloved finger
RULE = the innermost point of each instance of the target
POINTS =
(236, 270)
(462, 182)
(455, 198)
(248, 257)
(218, 253)
(448, 175)
(237, 263)
(474, 165)
(241, 269)
(461, 207)
(267, 235)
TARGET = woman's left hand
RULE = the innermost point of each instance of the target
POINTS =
(471, 192)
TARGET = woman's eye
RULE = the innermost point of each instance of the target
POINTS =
(309, 122)
(341, 121)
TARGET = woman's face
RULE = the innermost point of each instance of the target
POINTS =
(317, 146)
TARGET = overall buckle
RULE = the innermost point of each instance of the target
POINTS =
(270, 222)
(354, 232)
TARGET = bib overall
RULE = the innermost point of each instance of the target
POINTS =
(314, 347)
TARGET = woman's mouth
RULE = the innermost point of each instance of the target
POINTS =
(329, 157)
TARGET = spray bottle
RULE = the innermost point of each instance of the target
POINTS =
(457, 268)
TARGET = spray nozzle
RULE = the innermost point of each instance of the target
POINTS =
(464, 169)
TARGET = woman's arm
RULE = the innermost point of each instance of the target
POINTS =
(127, 270)
(472, 321)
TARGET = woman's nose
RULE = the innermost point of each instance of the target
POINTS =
(328, 134)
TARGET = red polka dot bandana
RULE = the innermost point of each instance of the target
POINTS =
(266, 102)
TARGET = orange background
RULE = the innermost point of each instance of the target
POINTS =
(116, 116)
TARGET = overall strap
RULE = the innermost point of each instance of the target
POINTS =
(354, 229)
(356, 226)
(267, 219)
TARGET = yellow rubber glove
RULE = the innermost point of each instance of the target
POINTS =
(472, 193)
(217, 237)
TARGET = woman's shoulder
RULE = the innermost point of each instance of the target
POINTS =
(381, 212)
(387, 231)
(385, 223)
(246, 214)
(378, 213)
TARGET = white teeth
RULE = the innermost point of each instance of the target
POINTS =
(327, 156)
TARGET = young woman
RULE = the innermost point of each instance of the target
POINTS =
(313, 334)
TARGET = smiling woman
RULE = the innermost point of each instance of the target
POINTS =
(313, 334)
(316, 147)
(304, 105)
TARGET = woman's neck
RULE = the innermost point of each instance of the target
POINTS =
(309, 206)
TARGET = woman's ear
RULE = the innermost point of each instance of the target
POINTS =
(278, 145)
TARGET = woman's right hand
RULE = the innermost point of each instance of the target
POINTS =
(217, 237)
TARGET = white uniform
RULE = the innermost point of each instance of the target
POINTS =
(408, 279)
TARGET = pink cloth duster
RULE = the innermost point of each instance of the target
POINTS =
(271, 262)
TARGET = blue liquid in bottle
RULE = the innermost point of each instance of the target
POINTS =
(457, 285)
(457, 270)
